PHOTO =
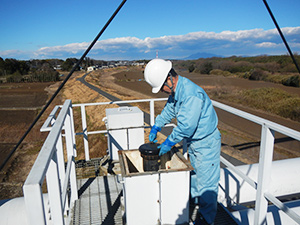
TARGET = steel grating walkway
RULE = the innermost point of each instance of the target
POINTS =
(99, 201)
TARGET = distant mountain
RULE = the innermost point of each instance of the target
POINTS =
(201, 55)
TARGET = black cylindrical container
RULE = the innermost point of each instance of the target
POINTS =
(149, 153)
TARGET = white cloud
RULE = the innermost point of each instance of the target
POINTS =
(226, 43)
(73, 48)
(8, 53)
(267, 45)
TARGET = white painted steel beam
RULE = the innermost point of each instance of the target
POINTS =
(264, 175)
(274, 216)
(71, 151)
(274, 126)
(234, 187)
(71, 119)
(34, 204)
(44, 164)
(49, 121)
(85, 133)
(66, 181)
(152, 113)
(291, 213)
(61, 166)
(39, 169)
(60, 159)
(54, 192)
(239, 172)
(121, 102)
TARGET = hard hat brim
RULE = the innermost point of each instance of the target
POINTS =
(156, 90)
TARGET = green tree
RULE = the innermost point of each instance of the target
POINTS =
(2, 65)
(206, 68)
(68, 64)
(293, 81)
(12, 66)
(191, 68)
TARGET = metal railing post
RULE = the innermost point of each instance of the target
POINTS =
(72, 129)
(71, 147)
(60, 160)
(61, 165)
(34, 203)
(264, 174)
(85, 133)
(50, 164)
(152, 113)
(54, 192)
(185, 148)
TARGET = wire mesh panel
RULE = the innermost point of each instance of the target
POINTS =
(99, 201)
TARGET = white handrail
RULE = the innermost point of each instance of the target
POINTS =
(265, 163)
(47, 165)
(274, 126)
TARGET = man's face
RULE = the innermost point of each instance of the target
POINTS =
(165, 88)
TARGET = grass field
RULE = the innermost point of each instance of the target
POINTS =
(271, 100)
(19, 106)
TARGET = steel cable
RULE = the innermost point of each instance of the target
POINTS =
(63, 83)
(281, 35)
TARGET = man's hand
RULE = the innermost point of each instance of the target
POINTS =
(165, 146)
(153, 133)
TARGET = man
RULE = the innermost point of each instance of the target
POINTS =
(197, 121)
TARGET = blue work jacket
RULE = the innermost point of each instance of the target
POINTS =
(193, 110)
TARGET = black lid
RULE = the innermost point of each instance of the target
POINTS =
(149, 149)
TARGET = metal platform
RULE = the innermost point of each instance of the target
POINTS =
(100, 202)
(222, 217)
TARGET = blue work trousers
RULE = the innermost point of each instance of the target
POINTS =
(205, 158)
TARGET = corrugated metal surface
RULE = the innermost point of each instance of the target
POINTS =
(222, 217)
(99, 201)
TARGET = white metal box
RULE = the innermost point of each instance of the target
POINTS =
(125, 127)
(160, 197)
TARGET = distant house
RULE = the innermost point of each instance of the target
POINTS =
(137, 64)
(3, 80)
(57, 67)
(91, 68)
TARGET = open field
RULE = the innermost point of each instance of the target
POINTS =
(19, 101)
(19, 106)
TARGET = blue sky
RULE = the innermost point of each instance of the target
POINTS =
(36, 29)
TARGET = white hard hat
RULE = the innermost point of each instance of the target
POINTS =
(156, 73)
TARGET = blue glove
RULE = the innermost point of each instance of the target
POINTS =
(165, 146)
(153, 133)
